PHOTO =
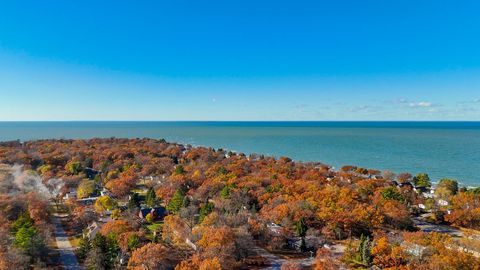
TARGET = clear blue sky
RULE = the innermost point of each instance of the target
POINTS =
(239, 60)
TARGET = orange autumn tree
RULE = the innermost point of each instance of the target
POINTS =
(152, 257)
(218, 242)
(387, 255)
(443, 253)
(126, 181)
(196, 263)
(36, 208)
(289, 265)
(115, 228)
(175, 231)
(453, 259)
(465, 210)
(343, 213)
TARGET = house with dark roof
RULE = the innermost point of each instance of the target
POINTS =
(407, 184)
(421, 189)
(91, 173)
(158, 213)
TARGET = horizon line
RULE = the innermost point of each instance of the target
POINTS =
(246, 121)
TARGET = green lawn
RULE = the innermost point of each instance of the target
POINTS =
(155, 227)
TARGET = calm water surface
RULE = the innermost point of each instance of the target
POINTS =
(442, 149)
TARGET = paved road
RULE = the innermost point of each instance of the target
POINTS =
(67, 256)
(276, 261)
(426, 226)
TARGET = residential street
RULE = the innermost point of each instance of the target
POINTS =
(276, 261)
(426, 226)
(67, 256)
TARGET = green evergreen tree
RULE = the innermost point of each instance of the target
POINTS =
(27, 238)
(112, 251)
(363, 255)
(391, 193)
(151, 198)
(23, 238)
(96, 258)
(422, 180)
(176, 203)
(103, 253)
(133, 242)
(205, 210)
(24, 220)
(84, 247)
(179, 169)
(301, 230)
(225, 192)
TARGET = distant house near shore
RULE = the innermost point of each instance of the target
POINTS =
(443, 202)
(421, 190)
(425, 191)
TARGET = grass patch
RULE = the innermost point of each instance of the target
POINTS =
(155, 227)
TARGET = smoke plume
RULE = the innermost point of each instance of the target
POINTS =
(17, 180)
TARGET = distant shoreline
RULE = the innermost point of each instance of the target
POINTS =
(442, 149)
(434, 183)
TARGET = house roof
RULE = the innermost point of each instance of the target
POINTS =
(159, 211)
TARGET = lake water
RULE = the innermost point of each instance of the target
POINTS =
(441, 149)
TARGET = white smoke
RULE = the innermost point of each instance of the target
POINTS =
(30, 181)
(54, 186)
